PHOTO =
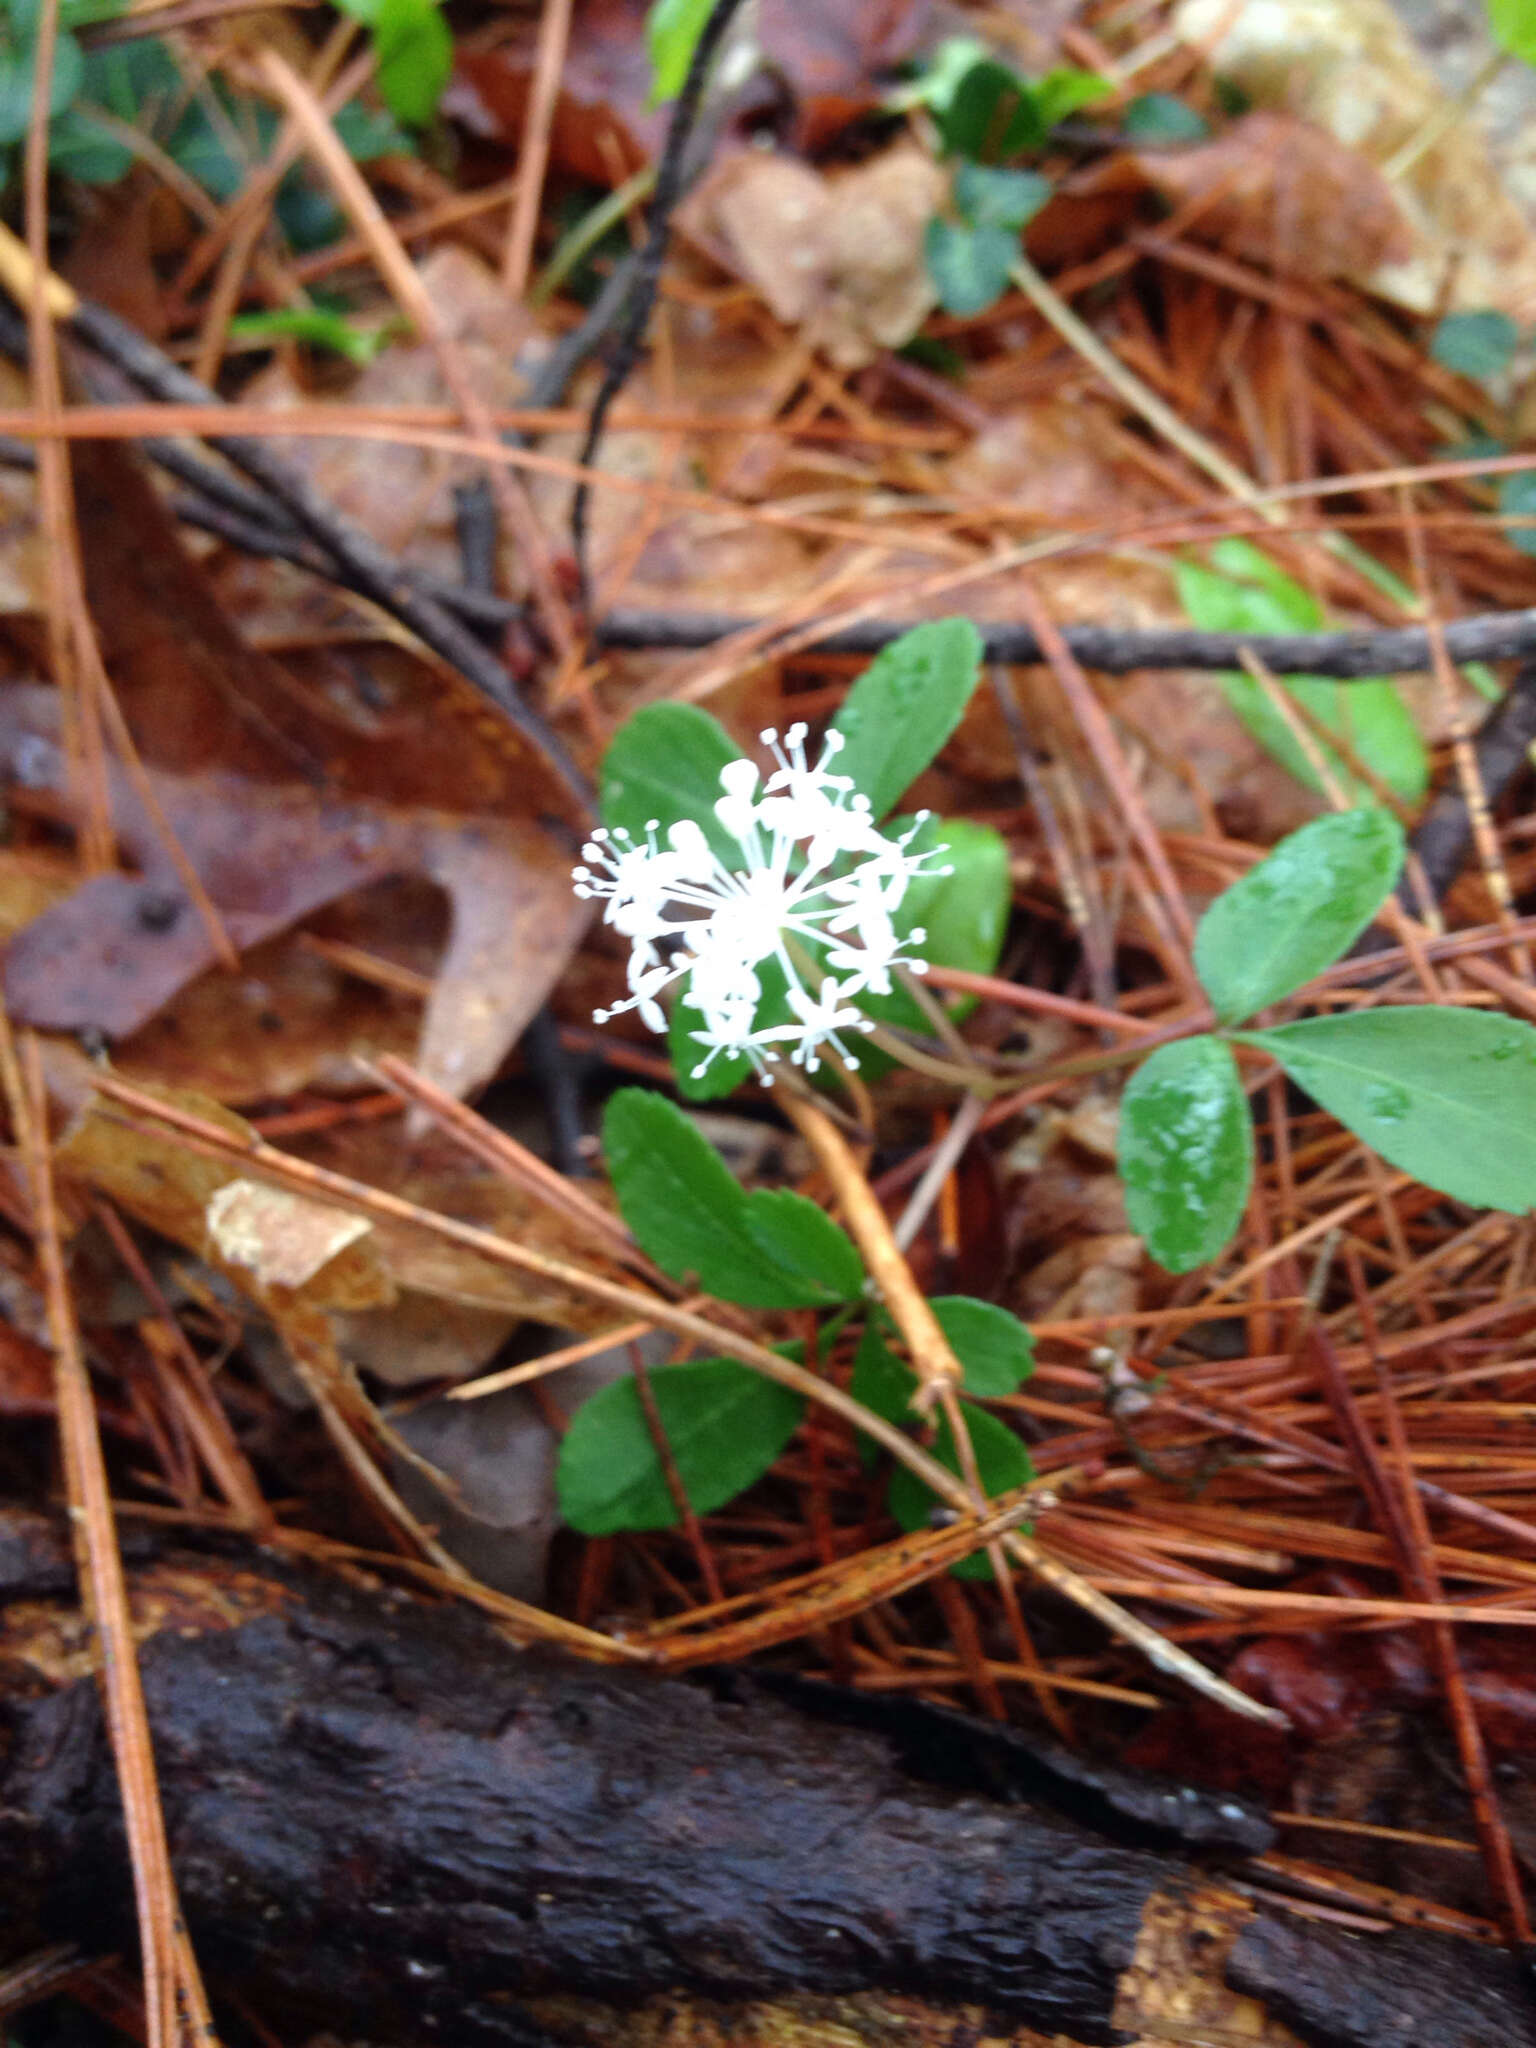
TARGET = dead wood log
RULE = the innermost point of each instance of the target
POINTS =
(386, 1820)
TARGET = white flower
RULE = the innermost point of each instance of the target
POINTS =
(810, 884)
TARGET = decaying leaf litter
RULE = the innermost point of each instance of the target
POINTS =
(809, 441)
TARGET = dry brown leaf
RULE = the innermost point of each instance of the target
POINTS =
(284, 1239)
(818, 69)
(838, 255)
(1351, 67)
(434, 1175)
(157, 1179)
(118, 949)
(1284, 192)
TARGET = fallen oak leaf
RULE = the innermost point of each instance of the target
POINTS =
(1280, 190)
(120, 947)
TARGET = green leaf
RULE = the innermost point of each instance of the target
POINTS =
(18, 85)
(120, 77)
(1063, 91)
(1001, 1459)
(963, 916)
(994, 1347)
(798, 1239)
(1475, 345)
(883, 1381)
(942, 70)
(1246, 593)
(992, 115)
(317, 327)
(413, 54)
(1513, 23)
(1298, 911)
(989, 198)
(414, 58)
(79, 147)
(1186, 1151)
(664, 764)
(83, 13)
(687, 1210)
(970, 267)
(307, 214)
(201, 147)
(366, 134)
(1447, 1095)
(726, 1072)
(724, 1424)
(1158, 117)
(1517, 500)
(905, 706)
(672, 31)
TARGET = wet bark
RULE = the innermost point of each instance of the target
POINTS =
(385, 1820)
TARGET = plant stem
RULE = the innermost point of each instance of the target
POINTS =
(932, 1358)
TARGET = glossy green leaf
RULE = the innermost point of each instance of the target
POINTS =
(18, 81)
(768, 1249)
(672, 31)
(120, 77)
(1186, 1151)
(413, 54)
(1477, 344)
(414, 51)
(962, 914)
(995, 1349)
(1244, 592)
(725, 1073)
(1513, 23)
(993, 1346)
(367, 133)
(1160, 117)
(1064, 91)
(724, 1425)
(1517, 500)
(664, 763)
(800, 1241)
(1298, 911)
(1001, 1460)
(80, 147)
(987, 197)
(970, 267)
(992, 115)
(882, 1380)
(905, 706)
(1447, 1095)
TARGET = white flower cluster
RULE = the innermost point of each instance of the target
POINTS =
(813, 867)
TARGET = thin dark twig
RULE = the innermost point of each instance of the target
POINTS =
(285, 544)
(370, 569)
(641, 297)
(221, 504)
(1501, 749)
(477, 529)
(1347, 655)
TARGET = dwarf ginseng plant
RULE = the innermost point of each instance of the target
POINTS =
(782, 915)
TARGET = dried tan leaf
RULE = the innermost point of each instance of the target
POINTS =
(1351, 67)
(1285, 192)
(284, 1239)
(838, 255)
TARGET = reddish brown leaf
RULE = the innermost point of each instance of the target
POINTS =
(116, 951)
(821, 68)
(1281, 191)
